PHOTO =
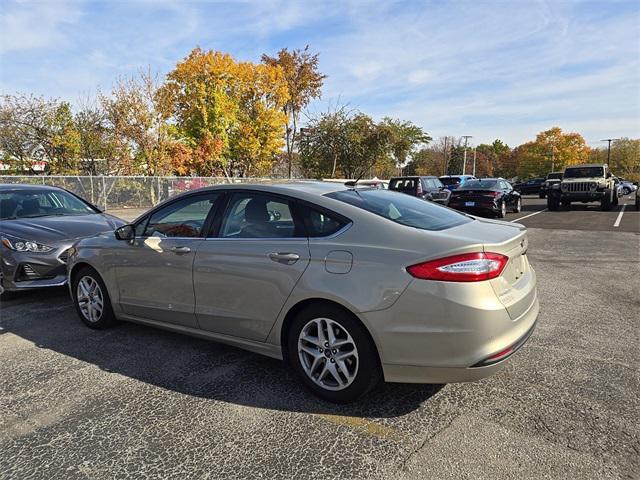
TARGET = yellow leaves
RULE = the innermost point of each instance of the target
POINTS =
(552, 149)
(230, 111)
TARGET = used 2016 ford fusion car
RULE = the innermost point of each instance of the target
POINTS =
(37, 226)
(349, 285)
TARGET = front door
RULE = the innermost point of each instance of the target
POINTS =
(154, 272)
(243, 277)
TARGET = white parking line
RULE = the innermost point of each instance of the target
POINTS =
(617, 224)
(527, 216)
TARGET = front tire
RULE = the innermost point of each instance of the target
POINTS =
(606, 204)
(333, 354)
(552, 204)
(91, 299)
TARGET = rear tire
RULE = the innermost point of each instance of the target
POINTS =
(354, 359)
(542, 195)
(91, 299)
(503, 210)
(518, 207)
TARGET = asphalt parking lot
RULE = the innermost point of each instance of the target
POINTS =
(139, 402)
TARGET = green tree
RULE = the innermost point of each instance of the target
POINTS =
(405, 139)
(347, 142)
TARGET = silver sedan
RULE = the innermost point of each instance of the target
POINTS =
(349, 285)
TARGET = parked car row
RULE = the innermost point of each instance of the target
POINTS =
(348, 284)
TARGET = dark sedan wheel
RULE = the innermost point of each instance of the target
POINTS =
(333, 354)
(503, 209)
(518, 206)
(91, 299)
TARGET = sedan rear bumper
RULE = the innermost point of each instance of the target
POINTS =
(427, 374)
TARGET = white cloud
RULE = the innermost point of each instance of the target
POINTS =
(31, 25)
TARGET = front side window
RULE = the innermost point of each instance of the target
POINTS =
(183, 218)
(403, 209)
(257, 215)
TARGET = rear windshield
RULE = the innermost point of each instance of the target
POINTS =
(584, 172)
(402, 209)
(450, 180)
(479, 185)
(403, 184)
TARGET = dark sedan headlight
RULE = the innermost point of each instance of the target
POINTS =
(21, 245)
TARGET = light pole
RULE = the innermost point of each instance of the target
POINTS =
(609, 140)
(464, 161)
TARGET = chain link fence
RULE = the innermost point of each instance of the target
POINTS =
(125, 192)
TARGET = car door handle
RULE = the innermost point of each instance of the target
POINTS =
(180, 250)
(286, 258)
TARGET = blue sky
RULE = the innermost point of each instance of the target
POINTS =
(491, 69)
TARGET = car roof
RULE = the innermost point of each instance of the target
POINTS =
(8, 187)
(582, 165)
(413, 176)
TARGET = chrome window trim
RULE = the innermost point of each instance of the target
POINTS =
(262, 239)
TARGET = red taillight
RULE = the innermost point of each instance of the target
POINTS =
(467, 267)
(503, 353)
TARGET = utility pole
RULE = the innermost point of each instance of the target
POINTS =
(464, 160)
(444, 163)
(474, 161)
(609, 140)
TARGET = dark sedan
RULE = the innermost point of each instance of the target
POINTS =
(530, 186)
(489, 195)
(37, 226)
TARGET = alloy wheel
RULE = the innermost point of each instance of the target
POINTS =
(328, 354)
(90, 299)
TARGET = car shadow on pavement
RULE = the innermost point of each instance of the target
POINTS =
(188, 365)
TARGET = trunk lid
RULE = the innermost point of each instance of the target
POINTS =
(515, 288)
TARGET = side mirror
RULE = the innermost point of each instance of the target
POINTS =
(125, 232)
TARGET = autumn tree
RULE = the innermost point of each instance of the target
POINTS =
(228, 113)
(624, 158)
(138, 114)
(304, 83)
(552, 150)
(34, 128)
(94, 138)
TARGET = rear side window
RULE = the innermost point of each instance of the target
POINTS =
(402, 209)
(258, 215)
(403, 184)
(320, 223)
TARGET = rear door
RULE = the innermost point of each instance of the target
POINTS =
(244, 274)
